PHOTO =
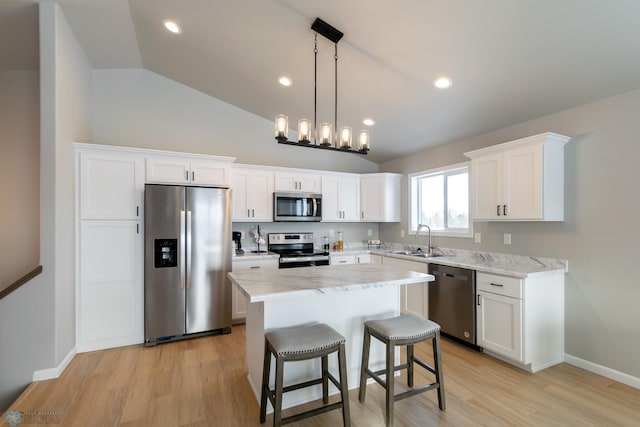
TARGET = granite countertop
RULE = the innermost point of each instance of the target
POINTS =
(295, 282)
(520, 266)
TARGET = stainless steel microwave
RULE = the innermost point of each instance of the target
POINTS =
(297, 207)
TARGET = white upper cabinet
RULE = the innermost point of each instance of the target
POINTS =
(380, 197)
(110, 185)
(298, 181)
(341, 198)
(521, 180)
(252, 194)
(176, 169)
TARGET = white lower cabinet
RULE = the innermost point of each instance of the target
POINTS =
(110, 291)
(375, 259)
(413, 298)
(238, 300)
(521, 321)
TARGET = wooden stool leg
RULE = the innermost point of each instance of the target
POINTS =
(277, 406)
(390, 385)
(325, 379)
(344, 386)
(437, 361)
(366, 342)
(264, 390)
(410, 365)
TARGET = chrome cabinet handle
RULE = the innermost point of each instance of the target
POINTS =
(255, 266)
(504, 210)
(193, 176)
(253, 213)
(497, 284)
(186, 175)
(248, 213)
(498, 210)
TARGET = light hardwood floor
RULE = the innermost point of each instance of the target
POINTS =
(203, 382)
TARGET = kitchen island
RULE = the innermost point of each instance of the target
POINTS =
(342, 296)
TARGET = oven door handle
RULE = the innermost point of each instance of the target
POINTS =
(285, 260)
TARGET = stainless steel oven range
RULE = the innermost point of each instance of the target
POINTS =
(296, 250)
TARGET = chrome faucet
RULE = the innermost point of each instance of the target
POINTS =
(420, 227)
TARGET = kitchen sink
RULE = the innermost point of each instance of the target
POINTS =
(424, 255)
(415, 253)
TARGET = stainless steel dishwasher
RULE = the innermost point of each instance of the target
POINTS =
(452, 302)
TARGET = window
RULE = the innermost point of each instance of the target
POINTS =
(440, 199)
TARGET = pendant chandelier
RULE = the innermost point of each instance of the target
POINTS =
(326, 136)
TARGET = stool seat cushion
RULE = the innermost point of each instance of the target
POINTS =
(303, 339)
(403, 327)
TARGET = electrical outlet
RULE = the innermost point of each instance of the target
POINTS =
(402, 234)
(507, 238)
(369, 232)
(332, 234)
(477, 237)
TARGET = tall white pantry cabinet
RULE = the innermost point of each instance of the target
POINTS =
(109, 256)
(109, 295)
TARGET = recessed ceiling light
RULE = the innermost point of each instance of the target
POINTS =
(442, 82)
(172, 26)
(285, 81)
(369, 122)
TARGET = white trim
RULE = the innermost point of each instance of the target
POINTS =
(52, 373)
(603, 370)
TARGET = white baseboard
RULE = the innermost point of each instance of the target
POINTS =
(49, 374)
(603, 370)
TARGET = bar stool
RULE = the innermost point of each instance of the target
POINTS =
(303, 343)
(407, 330)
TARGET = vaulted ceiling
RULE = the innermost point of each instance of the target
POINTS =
(510, 61)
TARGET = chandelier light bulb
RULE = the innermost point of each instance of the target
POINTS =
(282, 126)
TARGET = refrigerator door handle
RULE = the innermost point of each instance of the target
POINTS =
(182, 250)
(188, 249)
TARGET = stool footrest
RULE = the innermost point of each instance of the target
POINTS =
(414, 391)
(311, 413)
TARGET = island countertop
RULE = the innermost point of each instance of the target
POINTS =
(261, 285)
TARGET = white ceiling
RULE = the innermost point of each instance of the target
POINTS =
(510, 61)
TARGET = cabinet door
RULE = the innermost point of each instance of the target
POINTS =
(111, 186)
(307, 183)
(210, 173)
(240, 186)
(372, 199)
(375, 259)
(523, 183)
(238, 300)
(110, 304)
(350, 198)
(310, 183)
(261, 196)
(499, 324)
(252, 195)
(331, 199)
(171, 170)
(363, 259)
(487, 187)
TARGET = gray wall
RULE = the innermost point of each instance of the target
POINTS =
(600, 236)
(37, 322)
(138, 108)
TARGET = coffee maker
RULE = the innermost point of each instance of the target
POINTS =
(236, 236)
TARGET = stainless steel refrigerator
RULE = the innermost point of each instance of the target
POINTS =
(187, 257)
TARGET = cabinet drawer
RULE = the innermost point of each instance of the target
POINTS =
(501, 285)
(264, 264)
